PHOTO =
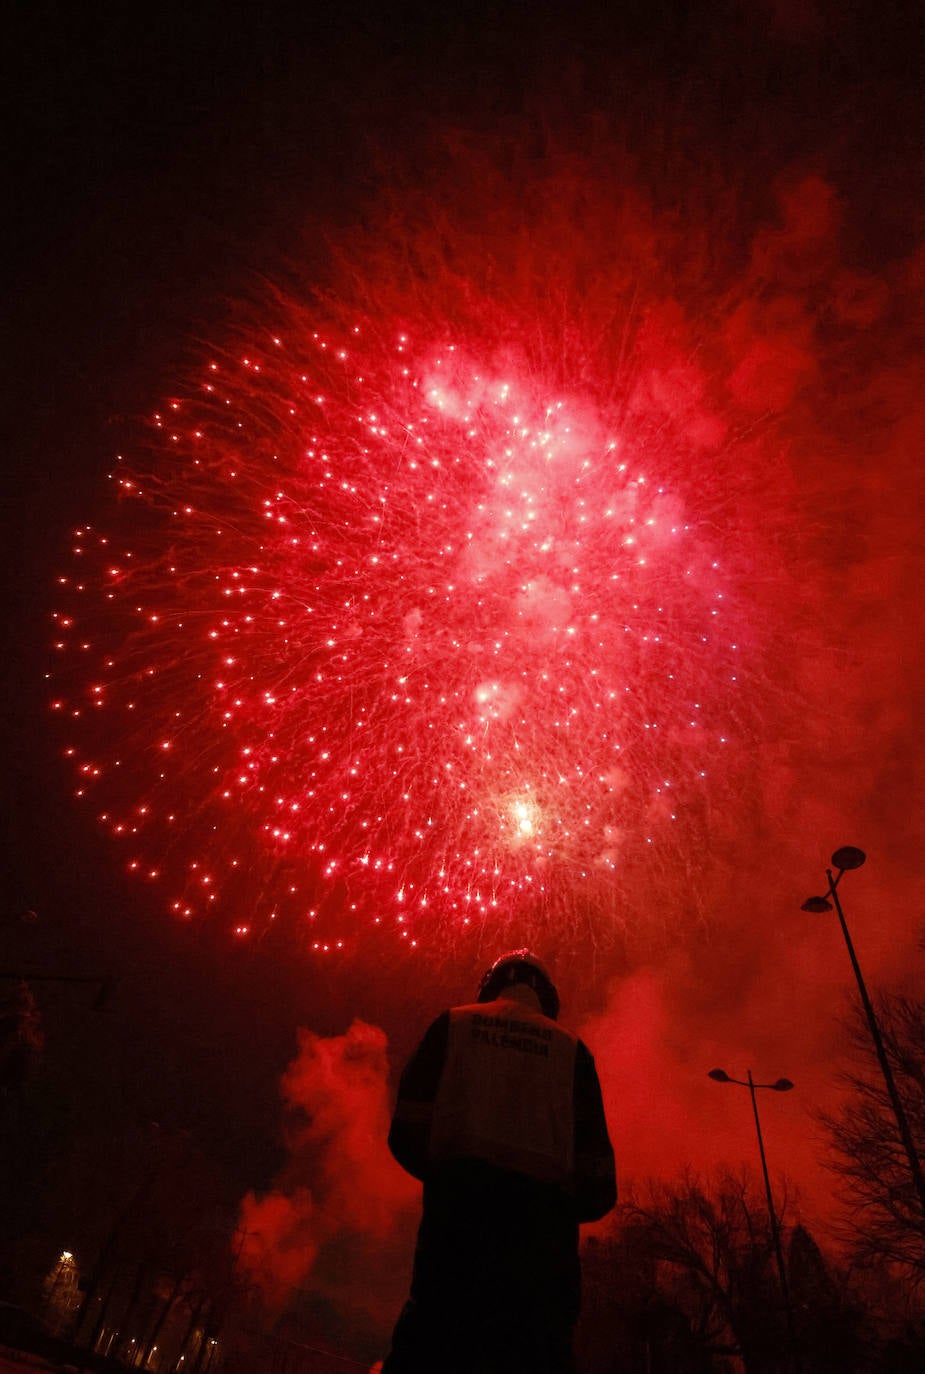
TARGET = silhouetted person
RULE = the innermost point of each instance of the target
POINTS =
(499, 1113)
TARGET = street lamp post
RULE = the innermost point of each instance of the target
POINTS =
(844, 860)
(782, 1085)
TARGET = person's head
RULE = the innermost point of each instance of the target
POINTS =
(519, 966)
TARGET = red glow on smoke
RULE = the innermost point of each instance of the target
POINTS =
(339, 1184)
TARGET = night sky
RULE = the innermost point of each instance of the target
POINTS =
(705, 221)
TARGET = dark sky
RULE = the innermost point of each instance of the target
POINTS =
(161, 164)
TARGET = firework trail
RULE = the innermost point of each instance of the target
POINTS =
(424, 617)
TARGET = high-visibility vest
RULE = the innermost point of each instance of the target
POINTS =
(506, 1092)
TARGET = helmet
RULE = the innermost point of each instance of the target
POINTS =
(520, 966)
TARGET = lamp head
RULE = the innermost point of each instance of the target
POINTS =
(720, 1075)
(816, 904)
(849, 856)
(783, 1085)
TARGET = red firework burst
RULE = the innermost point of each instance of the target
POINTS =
(395, 630)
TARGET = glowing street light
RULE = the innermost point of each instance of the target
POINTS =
(844, 860)
(781, 1085)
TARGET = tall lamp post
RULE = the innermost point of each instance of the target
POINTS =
(782, 1085)
(844, 860)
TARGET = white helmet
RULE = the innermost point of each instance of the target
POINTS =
(520, 966)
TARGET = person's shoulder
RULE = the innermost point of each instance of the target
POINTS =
(585, 1067)
(471, 1009)
(439, 1024)
(434, 1038)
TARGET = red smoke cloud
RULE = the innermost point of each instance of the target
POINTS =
(341, 1205)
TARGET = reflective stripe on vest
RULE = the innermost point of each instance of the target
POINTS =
(506, 1091)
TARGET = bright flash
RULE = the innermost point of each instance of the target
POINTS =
(525, 817)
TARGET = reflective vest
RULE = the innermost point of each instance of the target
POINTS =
(506, 1092)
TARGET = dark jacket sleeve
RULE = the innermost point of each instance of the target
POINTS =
(410, 1132)
(595, 1175)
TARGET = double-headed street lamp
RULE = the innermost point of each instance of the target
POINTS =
(782, 1085)
(844, 860)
